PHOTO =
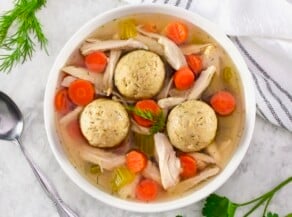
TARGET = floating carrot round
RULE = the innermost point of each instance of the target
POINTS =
(136, 161)
(183, 78)
(177, 32)
(81, 92)
(62, 103)
(96, 61)
(147, 190)
(223, 103)
(189, 166)
(195, 63)
(147, 105)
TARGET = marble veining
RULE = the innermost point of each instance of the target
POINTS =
(267, 162)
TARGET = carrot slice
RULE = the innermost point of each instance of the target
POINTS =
(62, 103)
(136, 161)
(81, 92)
(183, 78)
(223, 103)
(195, 63)
(96, 61)
(177, 32)
(146, 105)
(189, 166)
(147, 190)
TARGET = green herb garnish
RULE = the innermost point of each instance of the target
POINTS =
(218, 206)
(19, 45)
(157, 119)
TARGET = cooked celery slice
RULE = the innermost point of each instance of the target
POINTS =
(227, 73)
(145, 143)
(127, 29)
(95, 169)
(121, 177)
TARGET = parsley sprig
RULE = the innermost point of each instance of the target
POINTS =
(19, 45)
(157, 119)
(218, 206)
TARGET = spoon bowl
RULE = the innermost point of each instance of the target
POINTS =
(11, 127)
(11, 120)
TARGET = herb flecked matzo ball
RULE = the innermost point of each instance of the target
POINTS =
(191, 126)
(139, 74)
(104, 123)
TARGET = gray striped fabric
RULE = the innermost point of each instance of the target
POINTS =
(274, 102)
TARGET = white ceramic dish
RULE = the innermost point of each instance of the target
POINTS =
(210, 187)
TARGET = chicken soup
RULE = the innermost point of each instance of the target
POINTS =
(149, 107)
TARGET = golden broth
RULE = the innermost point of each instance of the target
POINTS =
(229, 128)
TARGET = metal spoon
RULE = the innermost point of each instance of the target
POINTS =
(11, 127)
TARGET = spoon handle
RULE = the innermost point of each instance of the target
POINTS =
(63, 209)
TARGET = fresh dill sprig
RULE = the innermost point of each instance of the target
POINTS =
(19, 45)
(157, 119)
(159, 123)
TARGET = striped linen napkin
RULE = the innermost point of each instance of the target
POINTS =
(261, 30)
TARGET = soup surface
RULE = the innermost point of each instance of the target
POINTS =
(149, 107)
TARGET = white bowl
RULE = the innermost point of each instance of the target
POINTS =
(249, 98)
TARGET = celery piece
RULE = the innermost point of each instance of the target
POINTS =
(227, 74)
(121, 177)
(95, 169)
(127, 29)
(145, 143)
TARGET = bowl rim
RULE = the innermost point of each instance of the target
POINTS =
(248, 96)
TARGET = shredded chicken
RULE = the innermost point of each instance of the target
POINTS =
(211, 56)
(192, 182)
(129, 190)
(170, 102)
(152, 44)
(172, 52)
(73, 115)
(202, 83)
(201, 165)
(152, 172)
(164, 92)
(67, 81)
(83, 73)
(91, 40)
(213, 151)
(219, 151)
(118, 97)
(179, 93)
(109, 72)
(169, 164)
(203, 157)
(89, 47)
(203, 160)
(106, 160)
(194, 48)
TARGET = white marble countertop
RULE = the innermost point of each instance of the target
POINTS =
(268, 161)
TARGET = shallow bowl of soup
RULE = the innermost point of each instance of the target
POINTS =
(149, 108)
